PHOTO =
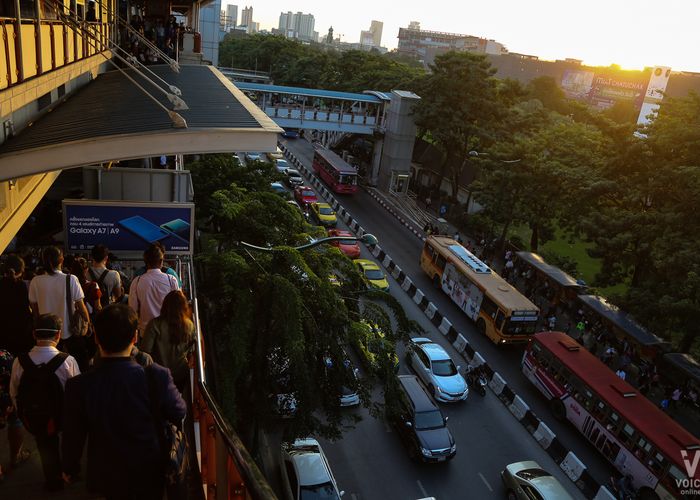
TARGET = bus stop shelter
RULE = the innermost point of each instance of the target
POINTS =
(565, 286)
(680, 368)
(622, 325)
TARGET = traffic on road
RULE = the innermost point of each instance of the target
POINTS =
(474, 439)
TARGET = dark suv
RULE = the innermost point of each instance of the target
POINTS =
(420, 423)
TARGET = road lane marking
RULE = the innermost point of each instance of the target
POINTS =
(485, 481)
(422, 490)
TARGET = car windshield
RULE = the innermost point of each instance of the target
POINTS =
(429, 420)
(325, 211)
(293, 173)
(374, 274)
(318, 492)
(444, 368)
(308, 193)
(281, 163)
(528, 474)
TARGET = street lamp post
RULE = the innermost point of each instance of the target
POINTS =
(367, 239)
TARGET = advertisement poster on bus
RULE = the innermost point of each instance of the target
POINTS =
(462, 291)
(128, 227)
(606, 443)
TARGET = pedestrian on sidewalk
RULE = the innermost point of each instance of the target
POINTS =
(456, 237)
(428, 202)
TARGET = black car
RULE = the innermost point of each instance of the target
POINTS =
(420, 423)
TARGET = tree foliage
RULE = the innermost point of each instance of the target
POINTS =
(460, 107)
(290, 62)
(274, 319)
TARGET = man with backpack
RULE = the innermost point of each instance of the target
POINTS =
(108, 280)
(119, 408)
(36, 387)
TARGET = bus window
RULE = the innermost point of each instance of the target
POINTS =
(626, 434)
(441, 262)
(642, 448)
(500, 318)
(657, 462)
(488, 307)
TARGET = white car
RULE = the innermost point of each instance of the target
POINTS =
(526, 480)
(254, 157)
(436, 370)
(276, 155)
(281, 166)
(308, 473)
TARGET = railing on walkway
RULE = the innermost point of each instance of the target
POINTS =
(228, 471)
(33, 47)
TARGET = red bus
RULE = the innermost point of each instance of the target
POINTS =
(636, 437)
(334, 171)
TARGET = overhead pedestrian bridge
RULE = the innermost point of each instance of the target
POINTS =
(316, 109)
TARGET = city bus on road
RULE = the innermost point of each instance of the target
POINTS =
(334, 171)
(640, 440)
(501, 312)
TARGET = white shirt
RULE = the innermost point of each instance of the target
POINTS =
(49, 292)
(40, 355)
(147, 292)
(112, 281)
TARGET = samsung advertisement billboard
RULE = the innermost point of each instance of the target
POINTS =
(128, 227)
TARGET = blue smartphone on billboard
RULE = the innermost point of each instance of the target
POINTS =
(144, 229)
(178, 227)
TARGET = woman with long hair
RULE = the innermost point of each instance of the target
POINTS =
(169, 338)
(79, 268)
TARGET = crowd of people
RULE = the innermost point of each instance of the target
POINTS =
(164, 34)
(88, 355)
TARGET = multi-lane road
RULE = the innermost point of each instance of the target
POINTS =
(371, 462)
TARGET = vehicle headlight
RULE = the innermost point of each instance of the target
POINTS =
(453, 448)
(440, 389)
(426, 452)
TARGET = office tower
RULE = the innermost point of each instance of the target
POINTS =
(373, 36)
(247, 19)
(231, 16)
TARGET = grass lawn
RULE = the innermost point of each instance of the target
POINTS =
(587, 266)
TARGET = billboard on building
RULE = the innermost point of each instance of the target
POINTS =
(610, 87)
(654, 93)
(128, 227)
(602, 89)
(577, 84)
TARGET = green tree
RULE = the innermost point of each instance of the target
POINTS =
(274, 319)
(459, 108)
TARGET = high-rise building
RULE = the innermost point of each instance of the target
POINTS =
(247, 19)
(373, 36)
(305, 25)
(297, 25)
(231, 17)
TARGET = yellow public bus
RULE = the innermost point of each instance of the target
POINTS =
(499, 310)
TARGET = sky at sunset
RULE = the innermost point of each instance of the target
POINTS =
(632, 34)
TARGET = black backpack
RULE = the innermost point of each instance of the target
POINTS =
(104, 298)
(40, 395)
